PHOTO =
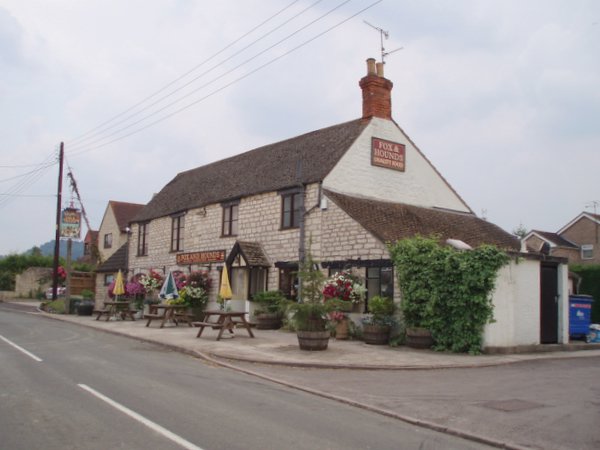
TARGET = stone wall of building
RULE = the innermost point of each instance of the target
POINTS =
(109, 225)
(330, 233)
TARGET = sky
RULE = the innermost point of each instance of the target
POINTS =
(502, 96)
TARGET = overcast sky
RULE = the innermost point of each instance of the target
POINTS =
(503, 96)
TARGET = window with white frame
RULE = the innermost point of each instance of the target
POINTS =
(587, 251)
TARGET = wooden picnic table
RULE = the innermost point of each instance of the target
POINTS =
(115, 309)
(226, 320)
(167, 313)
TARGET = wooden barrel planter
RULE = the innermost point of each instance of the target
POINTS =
(418, 338)
(313, 340)
(376, 334)
(268, 321)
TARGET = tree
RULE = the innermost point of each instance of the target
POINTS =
(520, 231)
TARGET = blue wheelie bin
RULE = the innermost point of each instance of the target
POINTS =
(580, 315)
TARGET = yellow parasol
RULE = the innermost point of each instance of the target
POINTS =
(119, 288)
(225, 289)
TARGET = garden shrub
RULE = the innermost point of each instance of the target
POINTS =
(446, 290)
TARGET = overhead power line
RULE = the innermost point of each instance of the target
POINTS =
(27, 181)
(78, 143)
(177, 111)
(193, 69)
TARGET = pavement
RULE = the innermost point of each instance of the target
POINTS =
(277, 347)
(273, 354)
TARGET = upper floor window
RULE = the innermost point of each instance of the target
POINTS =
(142, 248)
(230, 219)
(87, 249)
(108, 240)
(291, 210)
(177, 225)
(587, 251)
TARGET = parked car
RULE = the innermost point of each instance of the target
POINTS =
(60, 292)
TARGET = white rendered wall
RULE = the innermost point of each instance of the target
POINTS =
(516, 301)
(420, 184)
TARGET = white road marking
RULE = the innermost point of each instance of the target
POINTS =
(152, 425)
(21, 349)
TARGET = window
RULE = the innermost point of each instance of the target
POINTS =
(380, 281)
(87, 249)
(258, 280)
(142, 249)
(177, 224)
(230, 219)
(291, 210)
(587, 251)
(109, 278)
(108, 240)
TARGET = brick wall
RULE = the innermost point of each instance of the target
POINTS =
(583, 232)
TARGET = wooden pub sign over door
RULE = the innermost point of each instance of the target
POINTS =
(210, 256)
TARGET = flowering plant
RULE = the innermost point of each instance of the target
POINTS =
(336, 316)
(151, 281)
(194, 296)
(344, 286)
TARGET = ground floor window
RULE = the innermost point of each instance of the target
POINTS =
(108, 278)
(380, 281)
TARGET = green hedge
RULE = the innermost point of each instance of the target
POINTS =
(590, 285)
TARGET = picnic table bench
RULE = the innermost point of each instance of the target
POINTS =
(226, 320)
(115, 309)
(170, 313)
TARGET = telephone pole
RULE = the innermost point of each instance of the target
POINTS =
(58, 211)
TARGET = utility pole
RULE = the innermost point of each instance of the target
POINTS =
(58, 211)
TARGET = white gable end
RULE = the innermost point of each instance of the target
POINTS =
(420, 184)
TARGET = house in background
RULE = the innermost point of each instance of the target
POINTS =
(112, 238)
(90, 248)
(344, 191)
(578, 241)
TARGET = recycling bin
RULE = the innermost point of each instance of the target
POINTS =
(580, 315)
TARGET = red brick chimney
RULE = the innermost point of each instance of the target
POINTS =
(376, 92)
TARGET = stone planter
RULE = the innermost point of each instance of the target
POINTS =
(313, 340)
(418, 338)
(376, 334)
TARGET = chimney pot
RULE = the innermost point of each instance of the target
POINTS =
(376, 92)
(371, 66)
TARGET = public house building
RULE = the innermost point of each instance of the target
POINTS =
(348, 190)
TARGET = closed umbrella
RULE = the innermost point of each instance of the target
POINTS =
(169, 288)
(225, 289)
(119, 288)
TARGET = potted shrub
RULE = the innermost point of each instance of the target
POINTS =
(310, 314)
(378, 323)
(269, 311)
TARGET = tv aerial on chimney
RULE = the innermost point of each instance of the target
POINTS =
(382, 34)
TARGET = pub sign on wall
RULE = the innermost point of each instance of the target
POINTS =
(388, 154)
